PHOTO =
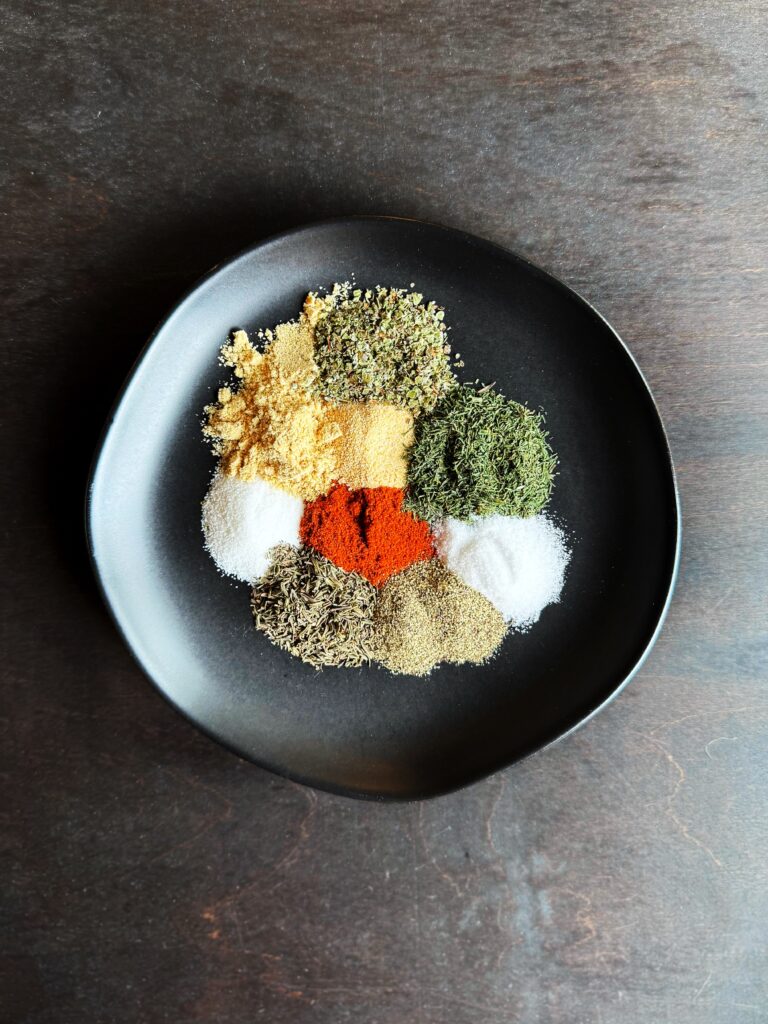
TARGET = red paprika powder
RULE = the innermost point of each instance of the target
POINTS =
(366, 531)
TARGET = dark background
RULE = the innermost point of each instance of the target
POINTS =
(617, 878)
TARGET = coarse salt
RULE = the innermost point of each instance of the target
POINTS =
(518, 564)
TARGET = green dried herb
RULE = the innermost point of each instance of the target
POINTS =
(382, 345)
(313, 609)
(479, 454)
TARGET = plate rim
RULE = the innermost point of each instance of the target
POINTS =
(415, 795)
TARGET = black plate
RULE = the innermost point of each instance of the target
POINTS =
(363, 732)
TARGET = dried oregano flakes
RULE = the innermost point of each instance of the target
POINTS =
(382, 344)
(479, 454)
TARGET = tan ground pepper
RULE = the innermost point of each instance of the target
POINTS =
(426, 615)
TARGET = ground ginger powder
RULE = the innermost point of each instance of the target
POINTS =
(292, 349)
(273, 427)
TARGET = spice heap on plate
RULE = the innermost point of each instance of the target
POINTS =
(380, 510)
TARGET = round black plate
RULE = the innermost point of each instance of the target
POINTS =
(364, 732)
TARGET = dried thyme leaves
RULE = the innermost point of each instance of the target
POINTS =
(313, 609)
(383, 344)
(479, 454)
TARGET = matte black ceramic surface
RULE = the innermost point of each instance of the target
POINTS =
(364, 732)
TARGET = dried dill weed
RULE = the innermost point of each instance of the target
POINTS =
(479, 454)
(426, 614)
(315, 610)
(382, 344)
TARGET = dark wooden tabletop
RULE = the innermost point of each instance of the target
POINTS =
(620, 877)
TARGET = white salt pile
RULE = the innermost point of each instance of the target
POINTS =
(518, 564)
(243, 520)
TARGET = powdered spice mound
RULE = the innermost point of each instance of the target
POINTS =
(270, 427)
(426, 615)
(372, 449)
(366, 531)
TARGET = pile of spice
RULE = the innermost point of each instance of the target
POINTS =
(518, 564)
(383, 344)
(380, 510)
(480, 455)
(426, 615)
(270, 427)
(372, 447)
(243, 520)
(366, 531)
(315, 610)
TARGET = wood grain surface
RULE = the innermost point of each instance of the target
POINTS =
(620, 877)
